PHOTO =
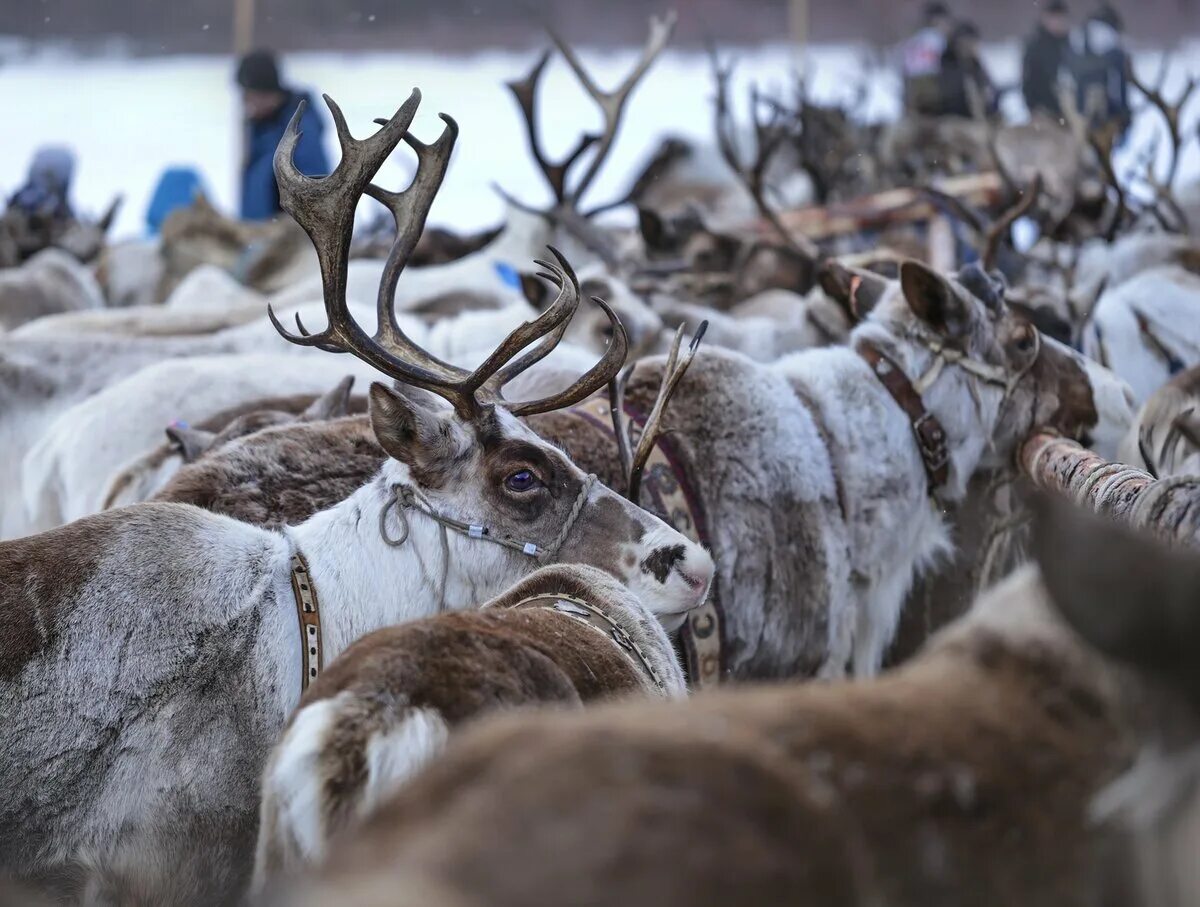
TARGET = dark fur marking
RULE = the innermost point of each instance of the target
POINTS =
(662, 561)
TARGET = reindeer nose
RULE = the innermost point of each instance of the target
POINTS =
(697, 577)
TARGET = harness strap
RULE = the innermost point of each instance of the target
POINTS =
(582, 611)
(308, 612)
(927, 430)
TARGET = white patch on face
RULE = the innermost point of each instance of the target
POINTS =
(686, 585)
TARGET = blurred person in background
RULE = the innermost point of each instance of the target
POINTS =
(1046, 58)
(921, 60)
(44, 193)
(268, 107)
(1100, 67)
(966, 89)
(177, 187)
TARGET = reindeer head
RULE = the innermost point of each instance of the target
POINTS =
(471, 466)
(986, 371)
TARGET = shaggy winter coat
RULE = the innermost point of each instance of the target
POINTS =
(388, 704)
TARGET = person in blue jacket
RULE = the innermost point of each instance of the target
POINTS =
(268, 107)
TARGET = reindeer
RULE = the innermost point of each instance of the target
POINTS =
(564, 635)
(967, 776)
(1143, 329)
(151, 747)
(48, 283)
(802, 472)
(1165, 438)
(186, 443)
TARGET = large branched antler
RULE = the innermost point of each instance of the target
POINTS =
(612, 104)
(1171, 112)
(769, 136)
(325, 208)
(633, 459)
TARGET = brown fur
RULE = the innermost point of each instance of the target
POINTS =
(37, 575)
(963, 778)
(448, 670)
(281, 475)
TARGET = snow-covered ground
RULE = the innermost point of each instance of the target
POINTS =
(128, 119)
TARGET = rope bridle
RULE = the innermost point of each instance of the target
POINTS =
(579, 610)
(406, 497)
(403, 499)
(930, 436)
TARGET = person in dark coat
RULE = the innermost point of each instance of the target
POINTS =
(966, 88)
(1047, 55)
(268, 107)
(1100, 67)
(921, 60)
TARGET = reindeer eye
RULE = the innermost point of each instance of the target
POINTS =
(521, 480)
(1025, 340)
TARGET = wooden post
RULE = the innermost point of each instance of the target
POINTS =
(243, 26)
(798, 29)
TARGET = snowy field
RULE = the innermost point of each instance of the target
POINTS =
(128, 119)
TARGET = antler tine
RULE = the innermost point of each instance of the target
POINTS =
(544, 347)
(998, 230)
(526, 92)
(675, 370)
(1171, 113)
(591, 380)
(410, 209)
(1102, 146)
(325, 207)
(752, 176)
(545, 327)
(620, 420)
(612, 103)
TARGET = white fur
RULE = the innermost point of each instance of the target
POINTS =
(50, 282)
(395, 756)
(1168, 298)
(65, 474)
(294, 779)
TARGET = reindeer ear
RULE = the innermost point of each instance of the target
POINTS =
(855, 290)
(1125, 593)
(106, 220)
(331, 404)
(190, 443)
(406, 429)
(934, 300)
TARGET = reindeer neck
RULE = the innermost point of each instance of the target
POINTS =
(964, 405)
(362, 582)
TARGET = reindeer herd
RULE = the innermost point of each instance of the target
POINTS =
(441, 621)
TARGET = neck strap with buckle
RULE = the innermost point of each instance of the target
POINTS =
(578, 609)
(927, 430)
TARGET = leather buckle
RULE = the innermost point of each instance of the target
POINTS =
(931, 439)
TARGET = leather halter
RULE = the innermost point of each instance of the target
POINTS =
(312, 660)
(578, 609)
(665, 483)
(927, 430)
